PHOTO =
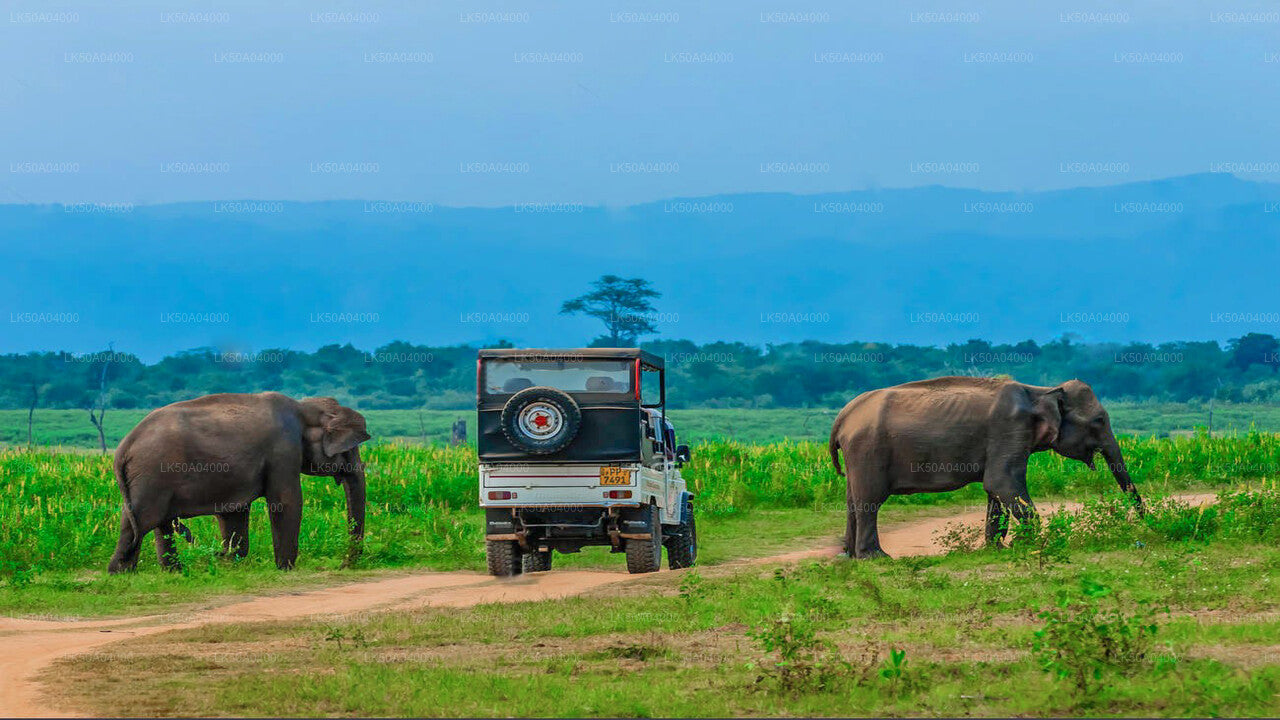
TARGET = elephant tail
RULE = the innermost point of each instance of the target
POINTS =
(834, 447)
(122, 481)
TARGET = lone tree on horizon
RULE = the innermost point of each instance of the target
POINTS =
(622, 304)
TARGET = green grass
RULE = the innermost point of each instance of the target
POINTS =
(59, 519)
(71, 428)
(1030, 630)
(817, 638)
(91, 592)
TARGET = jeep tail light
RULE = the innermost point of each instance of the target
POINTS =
(616, 494)
(501, 495)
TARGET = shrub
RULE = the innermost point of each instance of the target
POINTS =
(796, 660)
(1045, 542)
(1091, 634)
(960, 537)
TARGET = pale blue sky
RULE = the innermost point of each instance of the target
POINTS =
(128, 102)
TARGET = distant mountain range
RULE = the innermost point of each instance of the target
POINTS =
(1192, 257)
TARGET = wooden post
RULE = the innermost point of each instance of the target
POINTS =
(459, 432)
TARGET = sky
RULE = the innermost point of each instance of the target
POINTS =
(499, 103)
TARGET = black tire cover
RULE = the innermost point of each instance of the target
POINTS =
(533, 408)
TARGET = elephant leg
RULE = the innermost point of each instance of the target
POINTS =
(997, 522)
(851, 533)
(284, 507)
(165, 551)
(866, 516)
(235, 533)
(864, 510)
(125, 558)
(286, 522)
(1006, 481)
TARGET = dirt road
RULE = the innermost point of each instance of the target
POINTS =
(28, 646)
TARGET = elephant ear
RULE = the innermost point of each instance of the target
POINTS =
(343, 428)
(1046, 414)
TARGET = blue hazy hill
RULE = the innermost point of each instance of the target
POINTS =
(1178, 258)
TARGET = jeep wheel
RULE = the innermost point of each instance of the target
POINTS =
(682, 544)
(537, 561)
(541, 420)
(645, 556)
(504, 557)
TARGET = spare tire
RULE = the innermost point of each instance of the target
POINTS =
(541, 420)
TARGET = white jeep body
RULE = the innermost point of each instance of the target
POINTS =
(580, 486)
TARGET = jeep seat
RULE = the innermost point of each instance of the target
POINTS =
(515, 385)
(602, 383)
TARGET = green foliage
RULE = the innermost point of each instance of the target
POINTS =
(796, 660)
(61, 510)
(198, 558)
(894, 670)
(1092, 635)
(338, 635)
(1045, 542)
(400, 375)
(960, 538)
(692, 586)
(1244, 513)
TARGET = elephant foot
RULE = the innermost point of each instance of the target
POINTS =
(117, 568)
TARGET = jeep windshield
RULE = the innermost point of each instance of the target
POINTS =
(504, 377)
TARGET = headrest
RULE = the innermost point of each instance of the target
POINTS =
(601, 383)
(516, 385)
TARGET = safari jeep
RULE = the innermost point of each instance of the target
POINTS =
(576, 450)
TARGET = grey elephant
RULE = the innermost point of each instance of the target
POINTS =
(216, 454)
(942, 434)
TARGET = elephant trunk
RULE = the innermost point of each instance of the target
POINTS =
(353, 483)
(1115, 462)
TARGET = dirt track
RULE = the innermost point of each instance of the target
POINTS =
(28, 646)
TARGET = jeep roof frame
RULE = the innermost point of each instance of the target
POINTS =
(646, 358)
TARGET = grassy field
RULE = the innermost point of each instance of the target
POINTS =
(71, 428)
(1090, 613)
(59, 518)
(1094, 614)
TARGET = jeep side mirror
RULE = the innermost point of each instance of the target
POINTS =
(682, 454)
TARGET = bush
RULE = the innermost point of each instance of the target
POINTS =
(1252, 514)
(796, 660)
(1045, 542)
(1091, 634)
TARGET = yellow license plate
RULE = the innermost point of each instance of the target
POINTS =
(615, 476)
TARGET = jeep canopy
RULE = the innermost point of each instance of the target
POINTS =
(646, 358)
(602, 386)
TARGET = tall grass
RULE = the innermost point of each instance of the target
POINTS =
(61, 510)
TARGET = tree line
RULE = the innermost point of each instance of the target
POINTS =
(402, 375)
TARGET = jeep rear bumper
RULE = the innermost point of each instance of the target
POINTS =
(568, 529)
